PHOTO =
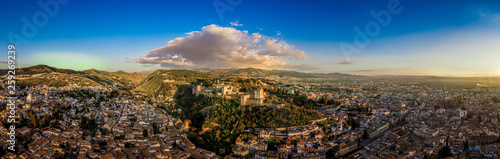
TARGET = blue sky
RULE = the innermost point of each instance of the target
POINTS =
(450, 37)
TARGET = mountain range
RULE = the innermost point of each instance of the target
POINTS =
(146, 82)
(255, 72)
(163, 81)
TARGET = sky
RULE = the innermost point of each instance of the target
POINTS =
(383, 37)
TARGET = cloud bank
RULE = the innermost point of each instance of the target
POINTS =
(345, 62)
(216, 46)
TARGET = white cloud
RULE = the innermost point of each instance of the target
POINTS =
(344, 62)
(235, 23)
(303, 67)
(216, 46)
(278, 33)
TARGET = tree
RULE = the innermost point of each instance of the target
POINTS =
(67, 147)
(102, 143)
(174, 145)
(426, 156)
(444, 152)
(145, 132)
(129, 145)
(33, 121)
(365, 134)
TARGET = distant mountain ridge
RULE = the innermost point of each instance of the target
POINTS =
(165, 81)
(37, 69)
(64, 77)
(148, 82)
(255, 72)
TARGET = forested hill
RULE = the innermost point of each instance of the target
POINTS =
(166, 81)
(55, 77)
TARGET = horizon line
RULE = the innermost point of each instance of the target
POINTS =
(379, 75)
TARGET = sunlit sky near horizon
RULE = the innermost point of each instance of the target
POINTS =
(421, 37)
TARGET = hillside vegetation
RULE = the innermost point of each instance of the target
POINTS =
(164, 82)
(54, 77)
(56, 80)
(121, 78)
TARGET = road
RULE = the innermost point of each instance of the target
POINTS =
(118, 119)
